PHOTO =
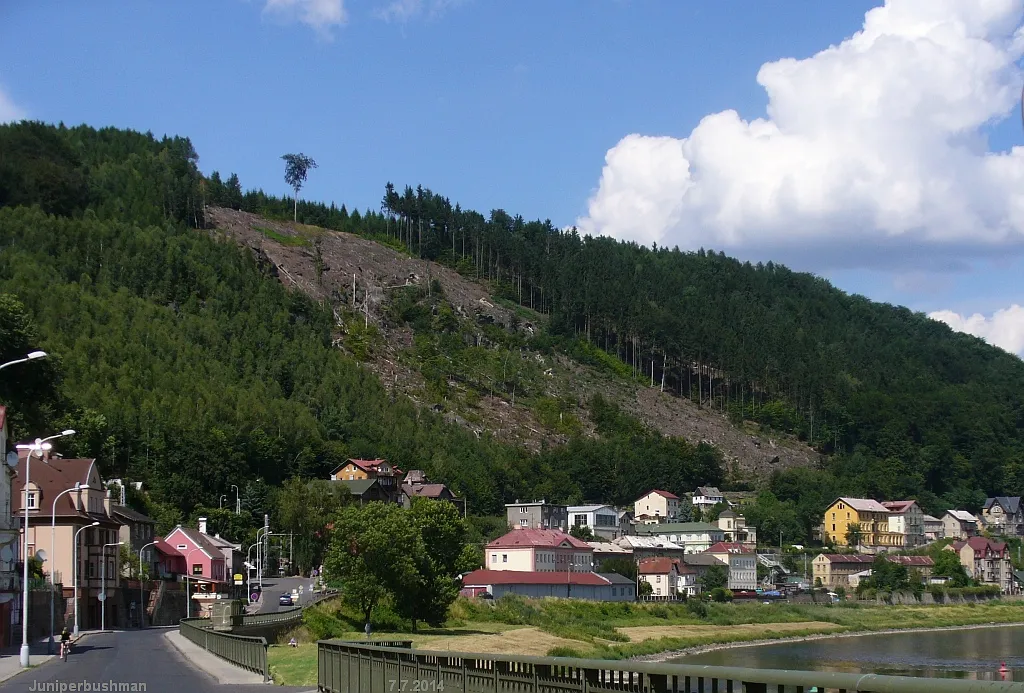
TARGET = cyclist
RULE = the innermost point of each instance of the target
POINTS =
(65, 643)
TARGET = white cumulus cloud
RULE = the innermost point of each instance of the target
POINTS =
(10, 111)
(873, 153)
(405, 10)
(319, 14)
(1004, 328)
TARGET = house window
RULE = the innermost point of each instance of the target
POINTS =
(494, 558)
(657, 579)
(31, 502)
(504, 558)
(197, 568)
(181, 547)
(522, 523)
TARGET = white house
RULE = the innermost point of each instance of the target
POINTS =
(603, 520)
(687, 583)
(662, 574)
(932, 528)
(539, 550)
(657, 506)
(736, 530)
(742, 564)
(707, 497)
(959, 524)
(649, 547)
(906, 518)
(694, 537)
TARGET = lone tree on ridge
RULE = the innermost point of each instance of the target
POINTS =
(296, 168)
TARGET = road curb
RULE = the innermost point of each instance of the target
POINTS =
(220, 670)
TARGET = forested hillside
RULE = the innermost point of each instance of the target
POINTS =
(191, 367)
(183, 363)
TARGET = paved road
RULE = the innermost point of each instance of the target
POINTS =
(273, 588)
(126, 657)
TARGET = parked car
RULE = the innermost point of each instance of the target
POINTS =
(285, 600)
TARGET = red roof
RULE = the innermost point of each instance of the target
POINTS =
(728, 547)
(912, 561)
(848, 558)
(165, 548)
(980, 544)
(665, 494)
(656, 566)
(550, 538)
(51, 476)
(482, 578)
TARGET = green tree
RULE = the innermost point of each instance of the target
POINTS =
(854, 534)
(947, 564)
(442, 532)
(305, 508)
(296, 169)
(373, 554)
(582, 532)
(625, 567)
(715, 577)
(887, 575)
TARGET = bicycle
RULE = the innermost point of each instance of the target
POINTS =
(65, 648)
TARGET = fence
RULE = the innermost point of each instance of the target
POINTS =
(350, 667)
(286, 616)
(245, 652)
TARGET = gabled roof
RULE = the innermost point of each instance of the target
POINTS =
(980, 544)
(656, 566)
(551, 538)
(912, 561)
(166, 549)
(663, 494)
(368, 466)
(962, 515)
(617, 579)
(701, 559)
(132, 515)
(899, 507)
(358, 487)
(708, 491)
(863, 504)
(635, 542)
(51, 476)
(609, 547)
(727, 513)
(1010, 504)
(223, 543)
(929, 518)
(590, 508)
(483, 578)
(846, 558)
(427, 490)
(199, 541)
(728, 547)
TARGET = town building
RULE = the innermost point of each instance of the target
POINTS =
(1004, 516)
(906, 518)
(387, 476)
(700, 563)
(137, 530)
(642, 547)
(607, 587)
(986, 561)
(367, 491)
(834, 570)
(707, 497)
(959, 524)
(932, 528)
(735, 529)
(742, 563)
(694, 537)
(688, 584)
(537, 515)
(627, 521)
(416, 485)
(868, 518)
(662, 574)
(601, 520)
(605, 550)
(656, 506)
(539, 550)
(202, 566)
(10, 580)
(922, 564)
(50, 477)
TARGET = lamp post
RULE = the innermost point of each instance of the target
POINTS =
(53, 561)
(188, 599)
(103, 586)
(260, 557)
(39, 447)
(238, 502)
(75, 555)
(142, 593)
(222, 497)
(29, 357)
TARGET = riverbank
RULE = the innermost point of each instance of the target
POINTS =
(621, 630)
(670, 655)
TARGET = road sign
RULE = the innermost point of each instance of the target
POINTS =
(254, 597)
(238, 578)
(102, 597)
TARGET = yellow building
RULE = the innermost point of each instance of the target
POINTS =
(870, 517)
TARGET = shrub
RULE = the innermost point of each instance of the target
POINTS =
(697, 607)
(322, 625)
(720, 594)
(562, 651)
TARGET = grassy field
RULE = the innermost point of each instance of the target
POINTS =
(623, 630)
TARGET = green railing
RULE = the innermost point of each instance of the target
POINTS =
(285, 616)
(351, 667)
(242, 651)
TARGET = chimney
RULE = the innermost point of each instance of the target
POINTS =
(106, 502)
(202, 525)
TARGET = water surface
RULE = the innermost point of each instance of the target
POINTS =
(972, 654)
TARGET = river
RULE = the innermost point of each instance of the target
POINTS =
(970, 653)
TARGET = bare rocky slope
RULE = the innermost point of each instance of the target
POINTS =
(355, 276)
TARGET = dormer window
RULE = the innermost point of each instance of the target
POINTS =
(32, 500)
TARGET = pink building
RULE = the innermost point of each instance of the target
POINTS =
(540, 550)
(198, 560)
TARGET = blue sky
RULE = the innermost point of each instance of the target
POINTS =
(516, 105)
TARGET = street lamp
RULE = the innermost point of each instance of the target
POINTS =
(53, 561)
(260, 556)
(37, 448)
(30, 357)
(238, 503)
(142, 593)
(222, 497)
(103, 586)
(75, 554)
(188, 599)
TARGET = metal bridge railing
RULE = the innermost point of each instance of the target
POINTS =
(347, 667)
(242, 651)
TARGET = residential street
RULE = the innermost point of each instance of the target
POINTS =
(125, 657)
(273, 588)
